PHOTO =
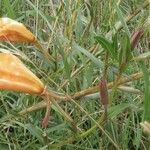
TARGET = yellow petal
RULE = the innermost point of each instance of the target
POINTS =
(14, 31)
(15, 76)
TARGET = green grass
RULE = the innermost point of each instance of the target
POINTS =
(67, 28)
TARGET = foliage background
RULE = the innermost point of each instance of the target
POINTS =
(67, 28)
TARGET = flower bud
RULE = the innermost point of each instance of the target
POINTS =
(103, 91)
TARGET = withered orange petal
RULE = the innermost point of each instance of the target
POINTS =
(14, 75)
(14, 31)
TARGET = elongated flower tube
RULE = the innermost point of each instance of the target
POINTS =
(14, 31)
(14, 75)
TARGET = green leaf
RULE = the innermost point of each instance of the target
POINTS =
(146, 114)
(106, 45)
(114, 111)
(115, 45)
(110, 46)
(9, 9)
(96, 61)
(4, 146)
(67, 67)
(121, 18)
(35, 131)
(125, 52)
(43, 16)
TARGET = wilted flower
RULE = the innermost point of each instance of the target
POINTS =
(104, 94)
(15, 76)
(103, 91)
(14, 31)
(136, 37)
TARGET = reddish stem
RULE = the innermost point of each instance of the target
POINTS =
(45, 95)
(46, 117)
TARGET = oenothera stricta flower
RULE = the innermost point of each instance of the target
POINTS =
(14, 75)
(14, 31)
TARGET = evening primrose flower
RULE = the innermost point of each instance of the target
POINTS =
(14, 75)
(13, 31)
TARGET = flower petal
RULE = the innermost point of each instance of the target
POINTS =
(14, 31)
(15, 76)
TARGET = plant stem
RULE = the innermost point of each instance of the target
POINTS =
(82, 93)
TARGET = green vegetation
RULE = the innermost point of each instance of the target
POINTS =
(88, 40)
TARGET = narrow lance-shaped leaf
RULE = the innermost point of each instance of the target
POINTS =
(107, 45)
(146, 113)
(125, 52)
(115, 45)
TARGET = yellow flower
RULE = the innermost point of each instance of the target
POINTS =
(15, 76)
(14, 31)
